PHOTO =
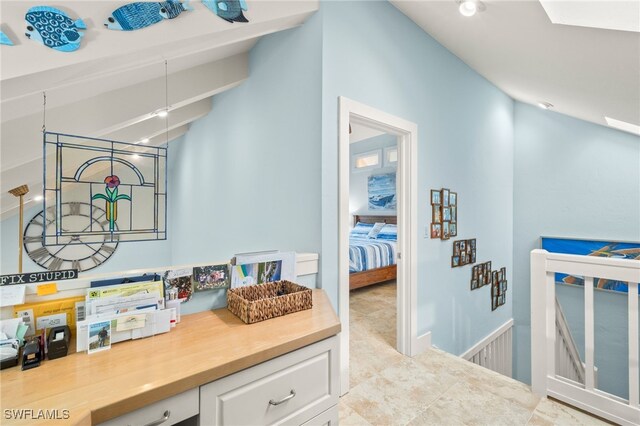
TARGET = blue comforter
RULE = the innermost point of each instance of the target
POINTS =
(367, 253)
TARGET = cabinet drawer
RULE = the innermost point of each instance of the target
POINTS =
(327, 418)
(179, 407)
(290, 389)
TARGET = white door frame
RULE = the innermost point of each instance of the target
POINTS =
(406, 178)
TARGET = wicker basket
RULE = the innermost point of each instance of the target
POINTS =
(260, 302)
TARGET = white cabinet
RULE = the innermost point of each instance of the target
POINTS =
(292, 389)
(162, 413)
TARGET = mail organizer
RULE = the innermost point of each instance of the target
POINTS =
(260, 302)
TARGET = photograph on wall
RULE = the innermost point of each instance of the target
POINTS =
(445, 230)
(446, 214)
(464, 251)
(180, 280)
(453, 229)
(436, 214)
(611, 249)
(454, 213)
(382, 191)
(436, 230)
(269, 271)
(211, 277)
(445, 197)
(99, 336)
(435, 197)
(453, 198)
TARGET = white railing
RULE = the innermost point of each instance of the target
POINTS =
(568, 361)
(545, 379)
(494, 351)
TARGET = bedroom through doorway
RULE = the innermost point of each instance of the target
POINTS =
(372, 251)
(377, 228)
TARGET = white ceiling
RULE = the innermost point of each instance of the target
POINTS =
(588, 73)
(111, 86)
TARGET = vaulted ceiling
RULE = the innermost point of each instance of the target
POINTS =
(112, 86)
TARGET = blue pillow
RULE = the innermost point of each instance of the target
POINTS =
(388, 232)
(361, 230)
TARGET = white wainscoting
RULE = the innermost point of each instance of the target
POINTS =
(494, 351)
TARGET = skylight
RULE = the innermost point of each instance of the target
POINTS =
(610, 15)
(623, 125)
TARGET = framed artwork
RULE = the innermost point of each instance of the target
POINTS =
(445, 197)
(436, 230)
(455, 261)
(382, 191)
(465, 250)
(445, 230)
(436, 215)
(435, 197)
(499, 288)
(444, 211)
(622, 250)
(446, 214)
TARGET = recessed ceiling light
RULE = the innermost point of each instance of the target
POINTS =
(135, 156)
(162, 113)
(470, 7)
(145, 140)
(623, 125)
(38, 198)
(545, 105)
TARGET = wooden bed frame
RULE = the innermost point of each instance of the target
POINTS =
(378, 275)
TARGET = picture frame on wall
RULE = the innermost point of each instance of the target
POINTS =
(445, 197)
(445, 230)
(453, 229)
(456, 248)
(435, 197)
(453, 198)
(436, 214)
(455, 261)
(436, 230)
(454, 214)
(446, 214)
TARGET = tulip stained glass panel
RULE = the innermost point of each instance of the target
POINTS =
(124, 185)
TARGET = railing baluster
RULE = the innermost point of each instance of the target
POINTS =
(589, 345)
(550, 285)
(634, 391)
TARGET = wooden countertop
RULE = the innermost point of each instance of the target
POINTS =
(202, 348)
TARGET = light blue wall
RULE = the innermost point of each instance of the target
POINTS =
(375, 55)
(358, 180)
(578, 180)
(247, 176)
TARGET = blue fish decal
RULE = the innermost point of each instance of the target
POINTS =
(229, 10)
(134, 16)
(5, 40)
(54, 28)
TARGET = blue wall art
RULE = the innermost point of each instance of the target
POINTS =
(4, 39)
(54, 28)
(382, 191)
(134, 16)
(229, 10)
(593, 248)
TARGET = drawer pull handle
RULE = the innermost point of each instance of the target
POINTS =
(164, 418)
(285, 399)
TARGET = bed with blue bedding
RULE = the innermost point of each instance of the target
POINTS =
(372, 250)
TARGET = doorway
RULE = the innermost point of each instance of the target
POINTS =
(355, 113)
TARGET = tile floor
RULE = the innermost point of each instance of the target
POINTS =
(434, 388)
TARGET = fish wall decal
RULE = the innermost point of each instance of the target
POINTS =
(4, 39)
(54, 28)
(134, 16)
(229, 10)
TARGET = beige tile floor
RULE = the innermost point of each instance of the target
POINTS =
(434, 388)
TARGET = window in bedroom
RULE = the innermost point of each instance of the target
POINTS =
(367, 160)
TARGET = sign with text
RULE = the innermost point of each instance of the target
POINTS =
(39, 277)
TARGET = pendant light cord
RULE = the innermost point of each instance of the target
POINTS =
(166, 100)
